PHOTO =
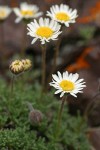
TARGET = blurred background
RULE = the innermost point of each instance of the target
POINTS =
(79, 52)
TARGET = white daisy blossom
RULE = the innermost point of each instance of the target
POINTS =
(26, 11)
(4, 12)
(45, 30)
(67, 83)
(62, 14)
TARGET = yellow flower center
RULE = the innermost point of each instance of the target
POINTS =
(44, 32)
(67, 85)
(27, 12)
(2, 14)
(62, 16)
(17, 63)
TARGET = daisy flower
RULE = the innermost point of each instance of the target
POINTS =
(67, 83)
(26, 12)
(4, 12)
(45, 30)
(62, 14)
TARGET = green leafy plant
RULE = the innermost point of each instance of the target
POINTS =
(16, 131)
(87, 32)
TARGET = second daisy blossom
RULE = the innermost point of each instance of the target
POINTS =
(27, 12)
(67, 83)
(44, 30)
(62, 14)
(4, 12)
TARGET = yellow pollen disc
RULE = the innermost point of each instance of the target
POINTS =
(27, 12)
(44, 32)
(67, 85)
(62, 16)
(2, 14)
(17, 64)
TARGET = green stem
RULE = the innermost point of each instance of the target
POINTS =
(2, 35)
(60, 116)
(23, 41)
(12, 85)
(56, 55)
(43, 67)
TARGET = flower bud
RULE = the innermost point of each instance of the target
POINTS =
(16, 67)
(27, 64)
(35, 117)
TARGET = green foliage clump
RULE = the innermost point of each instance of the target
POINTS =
(87, 32)
(16, 131)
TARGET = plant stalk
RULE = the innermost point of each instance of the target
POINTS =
(12, 85)
(23, 41)
(60, 116)
(43, 67)
(56, 55)
(2, 35)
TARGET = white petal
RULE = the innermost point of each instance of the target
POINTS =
(58, 91)
(62, 94)
(55, 77)
(34, 40)
(60, 76)
(78, 81)
(73, 94)
(17, 11)
(75, 77)
(18, 20)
